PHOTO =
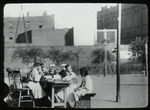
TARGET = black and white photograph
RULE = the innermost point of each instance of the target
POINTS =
(75, 55)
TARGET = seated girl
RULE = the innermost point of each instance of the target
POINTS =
(85, 87)
(67, 75)
(34, 82)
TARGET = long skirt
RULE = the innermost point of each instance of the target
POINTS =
(70, 96)
(80, 92)
(37, 90)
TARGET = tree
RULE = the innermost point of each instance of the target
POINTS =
(137, 50)
(67, 56)
(28, 54)
(58, 56)
(99, 58)
(76, 57)
(99, 55)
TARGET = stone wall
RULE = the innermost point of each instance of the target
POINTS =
(84, 56)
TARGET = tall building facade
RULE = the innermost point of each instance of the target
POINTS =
(134, 21)
(15, 25)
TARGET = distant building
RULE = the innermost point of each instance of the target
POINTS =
(47, 37)
(134, 21)
(40, 31)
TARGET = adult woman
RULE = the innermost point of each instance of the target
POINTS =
(34, 78)
(67, 75)
(85, 87)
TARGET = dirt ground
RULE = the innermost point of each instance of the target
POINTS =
(133, 91)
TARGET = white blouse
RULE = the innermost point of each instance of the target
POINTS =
(87, 83)
(70, 76)
(35, 76)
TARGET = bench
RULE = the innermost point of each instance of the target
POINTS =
(85, 101)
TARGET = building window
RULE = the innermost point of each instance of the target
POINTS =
(144, 28)
(129, 30)
(10, 24)
(144, 7)
(114, 19)
(40, 24)
(129, 15)
(27, 24)
(122, 32)
(108, 21)
(135, 29)
(11, 35)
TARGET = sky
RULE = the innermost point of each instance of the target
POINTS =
(81, 16)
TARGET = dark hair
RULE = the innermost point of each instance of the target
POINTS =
(84, 71)
(67, 66)
(63, 73)
(38, 63)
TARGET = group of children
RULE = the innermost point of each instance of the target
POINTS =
(74, 90)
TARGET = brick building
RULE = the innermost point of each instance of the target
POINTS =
(40, 31)
(134, 21)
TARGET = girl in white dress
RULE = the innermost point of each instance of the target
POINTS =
(34, 78)
(68, 76)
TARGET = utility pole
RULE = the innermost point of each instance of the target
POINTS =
(25, 29)
(118, 54)
(105, 51)
(17, 28)
(146, 59)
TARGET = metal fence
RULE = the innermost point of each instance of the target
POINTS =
(125, 68)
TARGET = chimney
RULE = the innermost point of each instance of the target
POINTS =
(27, 14)
(45, 13)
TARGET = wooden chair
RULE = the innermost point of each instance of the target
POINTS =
(25, 96)
(25, 93)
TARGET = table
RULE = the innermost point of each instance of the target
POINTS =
(55, 84)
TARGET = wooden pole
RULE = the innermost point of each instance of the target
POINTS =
(105, 61)
(105, 50)
(146, 60)
(25, 30)
(17, 28)
(118, 54)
